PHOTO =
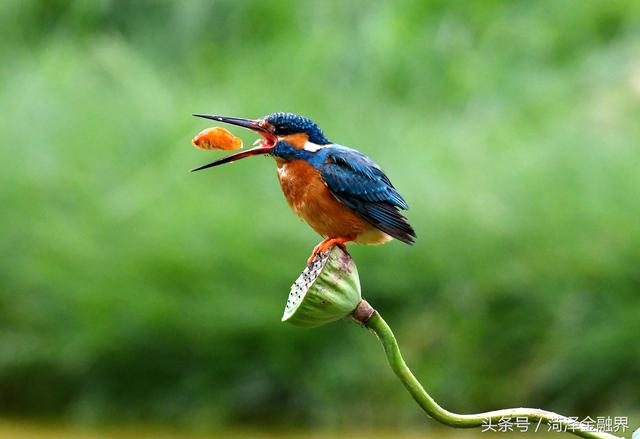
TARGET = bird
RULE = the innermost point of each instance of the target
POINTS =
(340, 192)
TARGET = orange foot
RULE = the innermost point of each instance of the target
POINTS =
(326, 244)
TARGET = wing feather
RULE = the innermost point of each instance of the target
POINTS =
(359, 183)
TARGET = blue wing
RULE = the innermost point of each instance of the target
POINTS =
(360, 184)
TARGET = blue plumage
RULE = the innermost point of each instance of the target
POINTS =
(290, 123)
(360, 184)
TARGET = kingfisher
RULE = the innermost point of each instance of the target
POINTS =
(340, 192)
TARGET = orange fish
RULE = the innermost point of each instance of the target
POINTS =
(216, 138)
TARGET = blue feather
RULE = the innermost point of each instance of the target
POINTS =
(359, 183)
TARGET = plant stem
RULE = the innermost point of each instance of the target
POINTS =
(377, 324)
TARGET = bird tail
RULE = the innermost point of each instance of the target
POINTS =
(387, 218)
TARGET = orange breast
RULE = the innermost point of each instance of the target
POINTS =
(310, 198)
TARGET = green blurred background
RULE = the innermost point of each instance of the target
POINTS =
(135, 292)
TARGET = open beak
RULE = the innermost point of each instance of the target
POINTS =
(259, 126)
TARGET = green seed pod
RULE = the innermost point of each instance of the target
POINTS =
(327, 290)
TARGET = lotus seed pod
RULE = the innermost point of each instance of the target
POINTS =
(327, 290)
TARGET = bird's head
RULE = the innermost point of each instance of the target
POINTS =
(297, 131)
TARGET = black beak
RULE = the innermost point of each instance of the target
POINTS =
(244, 123)
(255, 125)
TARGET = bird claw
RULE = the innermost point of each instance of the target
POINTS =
(316, 251)
(326, 246)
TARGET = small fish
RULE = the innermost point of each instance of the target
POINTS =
(216, 138)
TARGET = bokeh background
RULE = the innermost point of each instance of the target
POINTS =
(133, 292)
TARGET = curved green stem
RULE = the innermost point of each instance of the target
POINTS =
(377, 324)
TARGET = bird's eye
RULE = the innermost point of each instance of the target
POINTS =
(284, 130)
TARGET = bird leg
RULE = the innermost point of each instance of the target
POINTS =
(326, 245)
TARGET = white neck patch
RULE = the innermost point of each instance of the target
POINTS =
(313, 147)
